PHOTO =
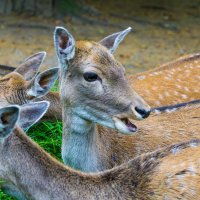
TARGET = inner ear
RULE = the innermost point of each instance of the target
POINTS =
(41, 85)
(64, 44)
(111, 42)
(8, 119)
(63, 41)
(48, 78)
(7, 116)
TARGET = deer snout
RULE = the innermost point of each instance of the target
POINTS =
(144, 113)
(140, 109)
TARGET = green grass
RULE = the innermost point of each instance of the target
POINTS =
(48, 135)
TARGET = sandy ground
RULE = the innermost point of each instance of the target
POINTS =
(160, 33)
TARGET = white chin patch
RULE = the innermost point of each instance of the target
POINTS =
(121, 127)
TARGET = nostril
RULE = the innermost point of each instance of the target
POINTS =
(143, 112)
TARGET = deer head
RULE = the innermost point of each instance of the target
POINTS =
(94, 84)
(25, 84)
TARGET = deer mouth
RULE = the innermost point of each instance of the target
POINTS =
(124, 125)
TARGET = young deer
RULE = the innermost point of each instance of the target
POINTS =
(174, 82)
(94, 90)
(30, 173)
(25, 84)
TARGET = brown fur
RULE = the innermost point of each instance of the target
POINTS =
(13, 89)
(54, 111)
(171, 172)
(155, 132)
(174, 82)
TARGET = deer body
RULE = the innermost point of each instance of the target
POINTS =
(30, 173)
(168, 173)
(171, 83)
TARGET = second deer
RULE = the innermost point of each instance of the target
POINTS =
(29, 172)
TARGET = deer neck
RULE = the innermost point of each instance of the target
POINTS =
(22, 171)
(80, 147)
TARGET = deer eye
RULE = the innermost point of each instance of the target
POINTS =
(90, 76)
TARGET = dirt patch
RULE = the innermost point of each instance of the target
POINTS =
(160, 32)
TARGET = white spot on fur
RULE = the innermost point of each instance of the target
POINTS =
(173, 70)
(179, 69)
(192, 169)
(154, 87)
(178, 86)
(176, 93)
(193, 144)
(193, 192)
(157, 103)
(186, 89)
(179, 80)
(184, 96)
(157, 111)
(141, 77)
(147, 92)
(175, 150)
(171, 110)
(160, 96)
(167, 78)
(187, 71)
(167, 94)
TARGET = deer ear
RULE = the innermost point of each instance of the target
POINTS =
(32, 113)
(111, 42)
(43, 82)
(8, 119)
(29, 68)
(64, 44)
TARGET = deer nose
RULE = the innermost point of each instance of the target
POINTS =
(142, 112)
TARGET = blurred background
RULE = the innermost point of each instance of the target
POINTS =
(163, 30)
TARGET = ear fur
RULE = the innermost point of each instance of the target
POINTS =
(111, 42)
(32, 113)
(64, 44)
(8, 118)
(30, 67)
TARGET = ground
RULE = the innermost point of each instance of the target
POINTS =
(160, 33)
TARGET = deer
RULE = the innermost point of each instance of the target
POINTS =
(29, 172)
(25, 84)
(157, 86)
(97, 105)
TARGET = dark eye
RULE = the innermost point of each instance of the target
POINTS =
(90, 76)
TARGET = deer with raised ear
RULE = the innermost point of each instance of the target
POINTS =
(25, 84)
(171, 83)
(30, 173)
(95, 91)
